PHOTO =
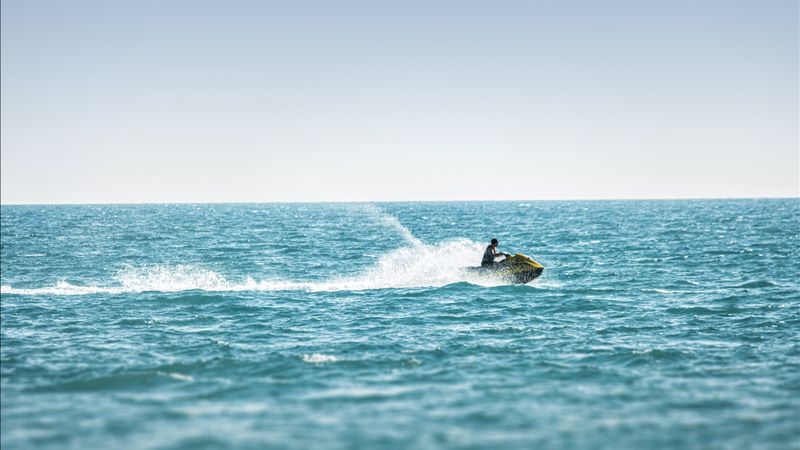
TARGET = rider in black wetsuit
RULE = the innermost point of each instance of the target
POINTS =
(491, 253)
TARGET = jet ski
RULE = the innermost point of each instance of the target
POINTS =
(517, 269)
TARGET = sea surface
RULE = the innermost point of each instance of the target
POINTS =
(656, 324)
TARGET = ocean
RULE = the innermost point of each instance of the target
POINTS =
(656, 324)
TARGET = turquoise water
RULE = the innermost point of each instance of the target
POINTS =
(656, 324)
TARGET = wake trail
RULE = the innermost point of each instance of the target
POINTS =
(416, 265)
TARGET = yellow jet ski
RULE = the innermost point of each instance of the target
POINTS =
(517, 269)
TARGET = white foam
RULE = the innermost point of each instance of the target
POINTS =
(545, 284)
(318, 358)
(416, 265)
(406, 267)
(177, 376)
(60, 288)
(172, 279)
(158, 278)
(659, 291)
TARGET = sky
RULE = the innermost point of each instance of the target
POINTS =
(158, 101)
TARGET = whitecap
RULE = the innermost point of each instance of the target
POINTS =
(177, 376)
(318, 358)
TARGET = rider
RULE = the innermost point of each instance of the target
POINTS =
(491, 253)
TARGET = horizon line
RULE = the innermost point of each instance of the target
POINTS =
(234, 202)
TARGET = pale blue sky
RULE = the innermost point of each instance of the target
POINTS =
(201, 101)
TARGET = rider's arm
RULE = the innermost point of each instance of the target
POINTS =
(496, 254)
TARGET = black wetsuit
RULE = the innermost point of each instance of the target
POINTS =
(488, 257)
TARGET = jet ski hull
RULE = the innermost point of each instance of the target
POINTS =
(517, 269)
